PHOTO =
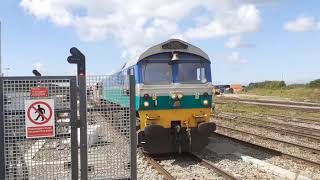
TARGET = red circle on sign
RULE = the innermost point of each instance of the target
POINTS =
(46, 118)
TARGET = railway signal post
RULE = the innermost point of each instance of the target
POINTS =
(79, 59)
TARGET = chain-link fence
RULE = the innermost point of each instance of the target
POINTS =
(42, 157)
(108, 116)
(63, 127)
(111, 140)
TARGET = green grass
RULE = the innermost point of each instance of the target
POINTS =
(303, 93)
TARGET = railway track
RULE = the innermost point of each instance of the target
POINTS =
(294, 119)
(276, 129)
(313, 150)
(157, 166)
(209, 165)
(298, 119)
(272, 104)
(292, 103)
(276, 152)
(193, 157)
(308, 160)
(311, 132)
(301, 129)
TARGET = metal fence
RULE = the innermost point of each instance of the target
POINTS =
(63, 127)
(106, 107)
(111, 153)
(37, 158)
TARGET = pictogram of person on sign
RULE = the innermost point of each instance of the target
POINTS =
(40, 112)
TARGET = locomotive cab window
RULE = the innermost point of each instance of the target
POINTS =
(156, 73)
(192, 73)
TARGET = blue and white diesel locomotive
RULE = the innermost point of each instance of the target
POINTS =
(173, 97)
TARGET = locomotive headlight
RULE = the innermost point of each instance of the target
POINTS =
(180, 96)
(205, 102)
(173, 96)
(146, 104)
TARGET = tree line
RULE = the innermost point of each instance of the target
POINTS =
(282, 85)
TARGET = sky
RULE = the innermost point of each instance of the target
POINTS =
(246, 40)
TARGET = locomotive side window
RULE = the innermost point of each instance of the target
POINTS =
(193, 73)
(156, 73)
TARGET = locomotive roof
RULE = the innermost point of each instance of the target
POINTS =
(174, 45)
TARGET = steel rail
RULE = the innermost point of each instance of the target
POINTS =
(271, 101)
(317, 151)
(311, 120)
(211, 166)
(303, 129)
(311, 131)
(203, 162)
(297, 119)
(277, 116)
(282, 130)
(277, 152)
(157, 166)
(273, 105)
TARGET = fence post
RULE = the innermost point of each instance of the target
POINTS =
(2, 159)
(83, 127)
(79, 59)
(133, 135)
(74, 130)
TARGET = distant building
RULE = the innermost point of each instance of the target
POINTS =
(236, 87)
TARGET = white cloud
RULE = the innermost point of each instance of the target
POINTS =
(141, 23)
(236, 42)
(233, 42)
(245, 19)
(302, 24)
(235, 58)
(54, 10)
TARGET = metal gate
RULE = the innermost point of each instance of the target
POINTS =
(37, 158)
(82, 127)
(108, 116)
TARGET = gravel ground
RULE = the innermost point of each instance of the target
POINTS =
(273, 145)
(52, 155)
(274, 134)
(145, 170)
(109, 154)
(221, 154)
(183, 168)
(237, 166)
(53, 150)
(295, 166)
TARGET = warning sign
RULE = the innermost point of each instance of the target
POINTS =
(39, 92)
(39, 115)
